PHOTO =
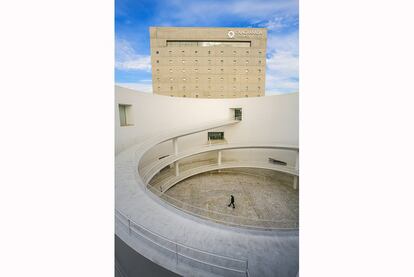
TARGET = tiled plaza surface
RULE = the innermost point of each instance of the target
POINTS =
(263, 198)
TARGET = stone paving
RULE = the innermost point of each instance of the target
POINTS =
(263, 198)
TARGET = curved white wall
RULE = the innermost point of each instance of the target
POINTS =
(265, 119)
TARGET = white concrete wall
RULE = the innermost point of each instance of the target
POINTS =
(265, 119)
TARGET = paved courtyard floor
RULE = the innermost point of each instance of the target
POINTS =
(263, 198)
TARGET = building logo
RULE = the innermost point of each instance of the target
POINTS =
(249, 33)
(245, 33)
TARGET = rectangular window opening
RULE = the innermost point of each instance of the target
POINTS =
(201, 43)
(215, 135)
(125, 115)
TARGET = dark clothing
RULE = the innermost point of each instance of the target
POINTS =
(231, 201)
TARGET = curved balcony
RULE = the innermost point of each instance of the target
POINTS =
(172, 238)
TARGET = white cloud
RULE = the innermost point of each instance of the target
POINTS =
(280, 22)
(194, 12)
(274, 24)
(136, 63)
(142, 86)
(127, 59)
(282, 63)
(280, 84)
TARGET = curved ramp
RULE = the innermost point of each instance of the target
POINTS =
(268, 253)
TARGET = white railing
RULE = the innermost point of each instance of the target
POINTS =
(217, 264)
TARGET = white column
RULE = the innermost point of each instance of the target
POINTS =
(175, 145)
(297, 160)
(295, 182)
(177, 171)
(219, 157)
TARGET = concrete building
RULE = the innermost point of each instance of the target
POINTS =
(208, 62)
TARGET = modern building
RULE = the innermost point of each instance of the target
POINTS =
(175, 171)
(208, 62)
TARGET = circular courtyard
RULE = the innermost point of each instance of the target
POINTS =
(263, 198)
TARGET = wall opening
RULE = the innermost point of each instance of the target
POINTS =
(215, 135)
(274, 161)
(125, 115)
(236, 113)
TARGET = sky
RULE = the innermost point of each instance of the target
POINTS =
(134, 17)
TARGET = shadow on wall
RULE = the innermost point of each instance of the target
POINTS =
(129, 263)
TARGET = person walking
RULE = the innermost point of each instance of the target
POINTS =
(231, 201)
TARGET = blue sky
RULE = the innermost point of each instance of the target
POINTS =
(134, 17)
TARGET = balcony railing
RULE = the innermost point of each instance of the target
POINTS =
(204, 260)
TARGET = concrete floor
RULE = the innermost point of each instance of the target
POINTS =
(263, 198)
